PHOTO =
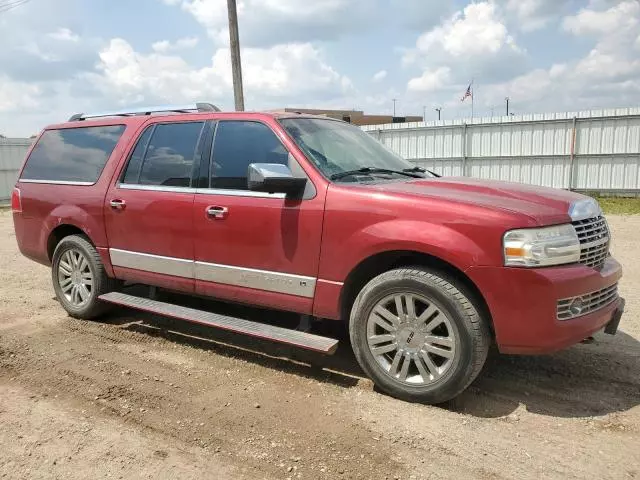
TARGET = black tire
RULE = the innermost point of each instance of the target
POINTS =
(101, 283)
(471, 333)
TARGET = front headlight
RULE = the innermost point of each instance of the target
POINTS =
(539, 247)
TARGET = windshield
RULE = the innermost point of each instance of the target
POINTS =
(338, 148)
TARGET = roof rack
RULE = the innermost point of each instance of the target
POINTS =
(198, 107)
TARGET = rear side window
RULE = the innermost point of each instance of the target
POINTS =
(72, 154)
(164, 155)
(238, 144)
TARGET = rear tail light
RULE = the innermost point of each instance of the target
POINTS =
(16, 201)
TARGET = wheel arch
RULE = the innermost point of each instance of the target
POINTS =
(61, 231)
(378, 263)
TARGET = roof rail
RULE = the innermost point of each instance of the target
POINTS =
(198, 107)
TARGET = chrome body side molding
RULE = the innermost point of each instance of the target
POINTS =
(57, 182)
(177, 267)
(197, 191)
(259, 279)
(279, 282)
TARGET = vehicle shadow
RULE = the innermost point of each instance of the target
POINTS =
(585, 380)
(341, 368)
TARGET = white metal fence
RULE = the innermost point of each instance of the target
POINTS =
(12, 152)
(596, 151)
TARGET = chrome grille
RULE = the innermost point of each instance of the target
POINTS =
(573, 307)
(594, 240)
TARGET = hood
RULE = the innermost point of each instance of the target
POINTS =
(545, 205)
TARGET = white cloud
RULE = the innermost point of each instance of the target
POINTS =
(64, 34)
(530, 87)
(612, 58)
(430, 80)
(477, 30)
(291, 49)
(535, 14)
(624, 15)
(14, 96)
(601, 65)
(283, 70)
(134, 76)
(270, 22)
(280, 71)
(472, 43)
(379, 76)
(607, 76)
(164, 46)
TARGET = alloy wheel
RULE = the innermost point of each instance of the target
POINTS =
(75, 277)
(411, 338)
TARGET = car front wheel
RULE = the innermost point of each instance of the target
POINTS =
(417, 335)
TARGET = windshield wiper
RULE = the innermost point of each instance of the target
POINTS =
(422, 170)
(348, 173)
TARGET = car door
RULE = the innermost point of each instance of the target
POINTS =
(254, 247)
(148, 207)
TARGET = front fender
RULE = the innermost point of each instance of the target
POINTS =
(343, 252)
(438, 240)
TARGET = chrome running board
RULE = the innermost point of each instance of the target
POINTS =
(233, 324)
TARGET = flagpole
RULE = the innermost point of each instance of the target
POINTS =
(472, 97)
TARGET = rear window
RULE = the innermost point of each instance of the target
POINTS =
(72, 154)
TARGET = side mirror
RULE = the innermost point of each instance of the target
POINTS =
(273, 178)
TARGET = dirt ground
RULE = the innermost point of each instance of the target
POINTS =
(138, 396)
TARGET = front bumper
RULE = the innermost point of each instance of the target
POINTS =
(523, 303)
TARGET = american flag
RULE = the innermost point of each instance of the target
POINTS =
(468, 93)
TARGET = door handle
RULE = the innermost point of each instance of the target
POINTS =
(117, 204)
(219, 213)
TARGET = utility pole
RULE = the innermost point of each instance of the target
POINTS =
(506, 99)
(236, 64)
(394, 106)
(439, 110)
(424, 113)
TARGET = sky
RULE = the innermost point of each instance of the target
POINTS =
(59, 57)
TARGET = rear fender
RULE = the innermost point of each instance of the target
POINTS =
(76, 216)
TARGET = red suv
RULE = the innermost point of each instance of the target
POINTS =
(311, 215)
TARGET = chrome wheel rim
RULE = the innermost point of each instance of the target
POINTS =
(411, 339)
(75, 278)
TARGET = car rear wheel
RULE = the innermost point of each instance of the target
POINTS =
(417, 335)
(79, 277)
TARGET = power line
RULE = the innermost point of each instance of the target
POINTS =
(6, 5)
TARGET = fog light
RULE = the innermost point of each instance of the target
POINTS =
(576, 306)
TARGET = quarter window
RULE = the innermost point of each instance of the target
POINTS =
(238, 144)
(72, 154)
(167, 157)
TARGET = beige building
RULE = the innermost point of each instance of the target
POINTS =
(357, 117)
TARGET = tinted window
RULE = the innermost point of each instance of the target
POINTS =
(135, 161)
(170, 154)
(72, 154)
(237, 144)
